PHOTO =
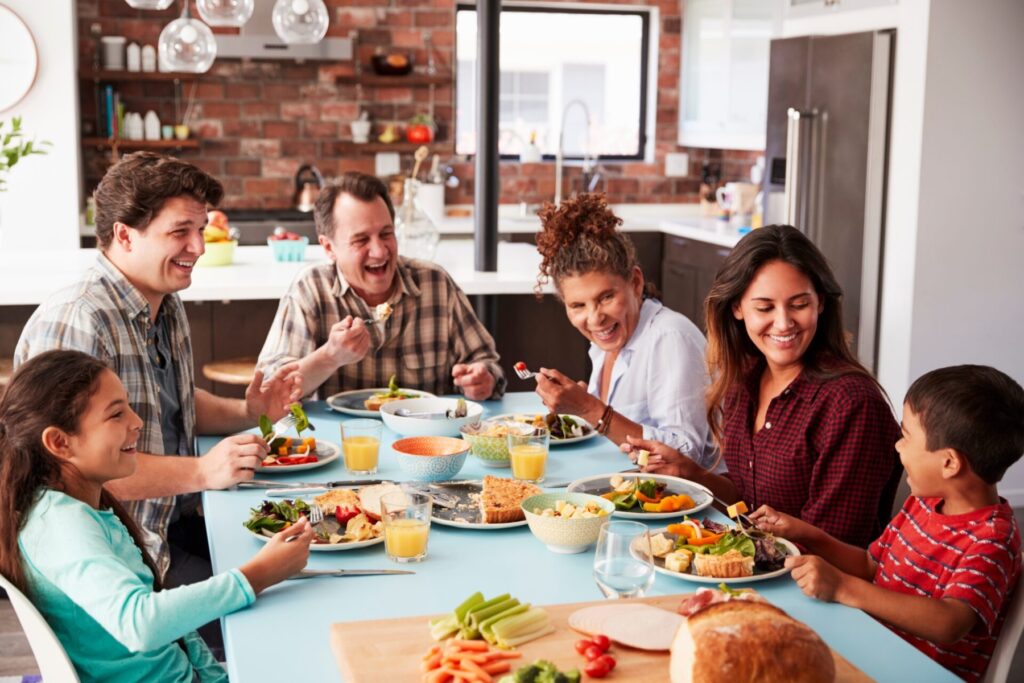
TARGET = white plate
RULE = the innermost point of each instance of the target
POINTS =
(326, 451)
(351, 402)
(329, 547)
(553, 441)
(475, 525)
(598, 484)
(659, 566)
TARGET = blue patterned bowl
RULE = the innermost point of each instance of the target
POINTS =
(430, 458)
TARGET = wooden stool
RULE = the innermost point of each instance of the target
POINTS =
(238, 371)
(6, 370)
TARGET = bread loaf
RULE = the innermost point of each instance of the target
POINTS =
(743, 641)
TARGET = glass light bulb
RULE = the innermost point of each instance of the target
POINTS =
(149, 4)
(300, 21)
(187, 45)
(225, 12)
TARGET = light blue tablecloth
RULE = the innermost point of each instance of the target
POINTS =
(285, 635)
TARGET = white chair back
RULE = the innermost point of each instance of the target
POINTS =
(1013, 627)
(53, 662)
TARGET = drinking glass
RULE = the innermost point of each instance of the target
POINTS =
(360, 442)
(623, 563)
(528, 454)
(406, 517)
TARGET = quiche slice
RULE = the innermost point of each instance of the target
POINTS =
(501, 499)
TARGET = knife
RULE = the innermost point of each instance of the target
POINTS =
(315, 573)
(741, 517)
(272, 484)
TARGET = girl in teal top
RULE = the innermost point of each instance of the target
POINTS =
(65, 430)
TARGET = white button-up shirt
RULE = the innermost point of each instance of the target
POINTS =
(658, 381)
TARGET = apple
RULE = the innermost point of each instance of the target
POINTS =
(218, 218)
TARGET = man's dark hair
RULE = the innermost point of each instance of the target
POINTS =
(362, 186)
(975, 409)
(134, 190)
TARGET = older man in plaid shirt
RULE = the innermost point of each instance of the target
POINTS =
(150, 217)
(432, 341)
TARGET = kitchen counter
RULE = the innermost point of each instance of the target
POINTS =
(677, 220)
(29, 277)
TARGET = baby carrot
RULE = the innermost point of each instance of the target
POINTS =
(498, 667)
(475, 645)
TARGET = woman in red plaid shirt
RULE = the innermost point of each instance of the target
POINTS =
(801, 424)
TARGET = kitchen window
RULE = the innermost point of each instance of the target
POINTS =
(552, 56)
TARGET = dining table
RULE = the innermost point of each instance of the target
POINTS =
(285, 634)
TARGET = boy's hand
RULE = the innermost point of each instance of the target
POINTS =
(816, 577)
(780, 524)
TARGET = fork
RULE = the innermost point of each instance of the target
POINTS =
(522, 372)
(282, 426)
(316, 515)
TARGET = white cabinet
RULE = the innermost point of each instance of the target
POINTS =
(809, 8)
(723, 90)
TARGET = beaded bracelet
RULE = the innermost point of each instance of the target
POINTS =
(605, 421)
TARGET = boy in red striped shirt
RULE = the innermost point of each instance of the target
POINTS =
(942, 572)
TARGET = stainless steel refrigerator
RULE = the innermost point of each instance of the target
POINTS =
(827, 149)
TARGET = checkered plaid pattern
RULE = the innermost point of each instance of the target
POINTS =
(105, 316)
(432, 327)
(826, 453)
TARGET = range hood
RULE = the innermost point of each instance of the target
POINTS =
(257, 40)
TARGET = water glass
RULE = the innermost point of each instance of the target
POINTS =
(623, 563)
(406, 517)
(360, 443)
(528, 454)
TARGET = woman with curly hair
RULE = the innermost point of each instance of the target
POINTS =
(802, 425)
(648, 378)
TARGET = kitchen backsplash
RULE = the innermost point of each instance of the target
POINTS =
(258, 122)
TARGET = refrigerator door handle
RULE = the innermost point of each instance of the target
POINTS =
(797, 191)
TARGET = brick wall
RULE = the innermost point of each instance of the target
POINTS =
(257, 122)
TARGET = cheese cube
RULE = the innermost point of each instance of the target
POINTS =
(661, 545)
(737, 509)
(678, 561)
(642, 458)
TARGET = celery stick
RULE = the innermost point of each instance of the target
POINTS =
(484, 605)
(477, 618)
(487, 626)
(508, 643)
(470, 602)
(511, 626)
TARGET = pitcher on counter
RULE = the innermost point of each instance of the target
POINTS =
(369, 313)
(150, 217)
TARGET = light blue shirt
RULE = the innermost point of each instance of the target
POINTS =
(86, 576)
(658, 381)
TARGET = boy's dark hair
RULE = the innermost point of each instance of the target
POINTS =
(975, 409)
(362, 186)
(134, 190)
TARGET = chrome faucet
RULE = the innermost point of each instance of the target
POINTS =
(587, 163)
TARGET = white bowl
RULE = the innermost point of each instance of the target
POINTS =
(420, 426)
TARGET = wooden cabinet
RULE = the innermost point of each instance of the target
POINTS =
(688, 271)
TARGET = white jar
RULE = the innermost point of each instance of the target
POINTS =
(148, 58)
(113, 52)
(134, 57)
(152, 125)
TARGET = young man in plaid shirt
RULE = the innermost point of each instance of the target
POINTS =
(942, 572)
(432, 340)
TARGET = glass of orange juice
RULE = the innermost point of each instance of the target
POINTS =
(529, 455)
(406, 517)
(360, 442)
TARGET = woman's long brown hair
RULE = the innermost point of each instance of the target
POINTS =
(51, 390)
(731, 355)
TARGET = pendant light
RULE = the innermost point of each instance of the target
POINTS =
(149, 4)
(187, 44)
(300, 21)
(225, 12)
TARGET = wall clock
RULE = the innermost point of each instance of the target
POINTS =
(19, 59)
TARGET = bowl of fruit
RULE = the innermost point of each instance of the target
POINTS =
(393, 64)
(287, 245)
(221, 240)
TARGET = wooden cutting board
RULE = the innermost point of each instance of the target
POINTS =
(391, 649)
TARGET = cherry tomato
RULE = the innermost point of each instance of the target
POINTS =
(608, 660)
(593, 652)
(582, 645)
(596, 669)
(602, 642)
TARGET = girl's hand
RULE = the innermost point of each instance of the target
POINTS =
(562, 395)
(280, 558)
(663, 459)
(780, 524)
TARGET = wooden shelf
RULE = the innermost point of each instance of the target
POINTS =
(343, 146)
(114, 76)
(412, 80)
(107, 143)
